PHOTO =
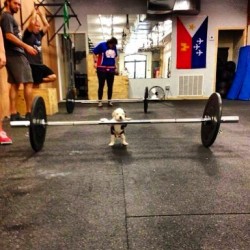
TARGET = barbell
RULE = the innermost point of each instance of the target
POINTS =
(158, 96)
(210, 122)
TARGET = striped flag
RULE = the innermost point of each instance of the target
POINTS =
(191, 42)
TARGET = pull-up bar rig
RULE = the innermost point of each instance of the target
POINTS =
(56, 14)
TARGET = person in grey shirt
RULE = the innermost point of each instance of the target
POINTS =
(17, 65)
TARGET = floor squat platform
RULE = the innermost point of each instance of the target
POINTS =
(163, 191)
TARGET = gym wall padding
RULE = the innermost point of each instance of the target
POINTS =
(240, 88)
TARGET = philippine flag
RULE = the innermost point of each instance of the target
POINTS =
(191, 42)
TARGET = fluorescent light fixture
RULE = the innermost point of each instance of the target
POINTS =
(182, 5)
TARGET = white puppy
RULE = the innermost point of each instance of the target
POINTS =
(117, 130)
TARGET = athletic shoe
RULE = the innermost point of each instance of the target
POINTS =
(4, 139)
(17, 117)
(27, 116)
(110, 103)
(99, 104)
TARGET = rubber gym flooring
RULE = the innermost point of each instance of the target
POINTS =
(163, 191)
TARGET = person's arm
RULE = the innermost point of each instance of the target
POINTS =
(2, 51)
(13, 39)
(95, 58)
(44, 21)
(116, 61)
(32, 20)
(116, 65)
(96, 52)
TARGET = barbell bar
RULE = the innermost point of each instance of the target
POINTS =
(211, 120)
(133, 100)
(224, 119)
(70, 100)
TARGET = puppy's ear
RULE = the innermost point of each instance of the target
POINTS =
(113, 113)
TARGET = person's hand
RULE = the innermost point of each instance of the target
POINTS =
(33, 12)
(32, 51)
(38, 12)
(2, 59)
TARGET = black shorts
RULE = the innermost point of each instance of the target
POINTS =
(40, 71)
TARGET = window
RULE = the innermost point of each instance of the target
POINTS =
(136, 66)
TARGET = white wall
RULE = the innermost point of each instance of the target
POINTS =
(137, 86)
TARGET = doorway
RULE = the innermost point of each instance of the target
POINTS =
(229, 43)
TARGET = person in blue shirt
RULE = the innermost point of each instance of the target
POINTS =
(105, 61)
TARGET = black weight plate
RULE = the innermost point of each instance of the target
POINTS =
(37, 131)
(70, 101)
(145, 101)
(210, 129)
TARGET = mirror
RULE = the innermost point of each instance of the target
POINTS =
(144, 45)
